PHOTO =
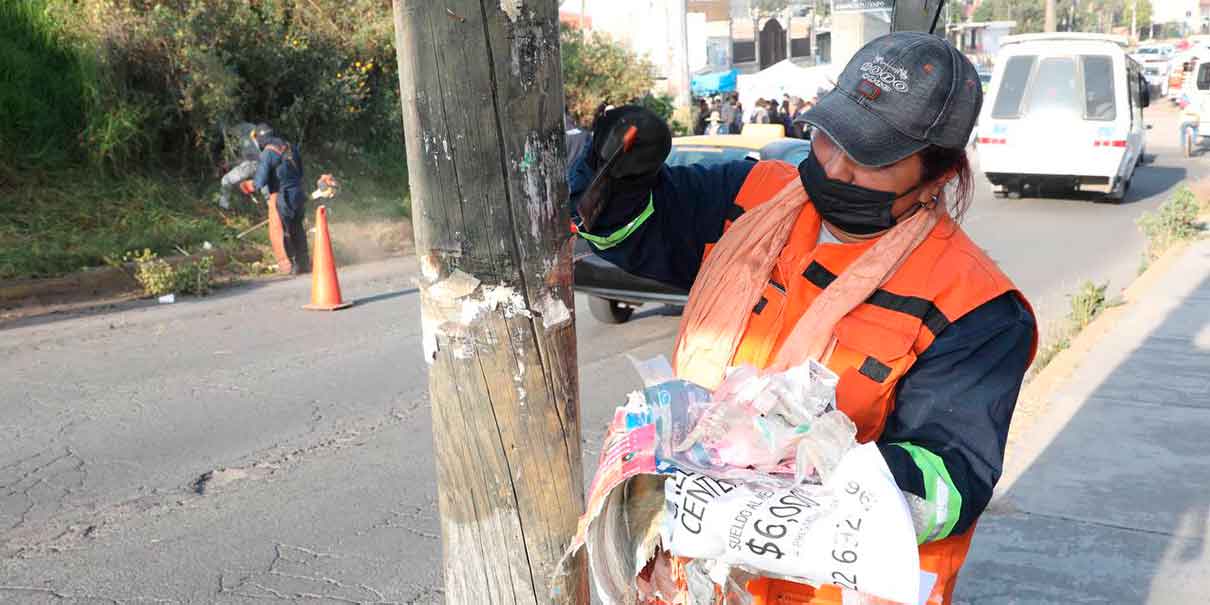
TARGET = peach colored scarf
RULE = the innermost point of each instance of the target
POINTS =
(734, 275)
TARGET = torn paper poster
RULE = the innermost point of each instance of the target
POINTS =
(854, 531)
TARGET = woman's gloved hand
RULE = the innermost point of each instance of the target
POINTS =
(639, 166)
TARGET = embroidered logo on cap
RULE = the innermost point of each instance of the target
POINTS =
(884, 75)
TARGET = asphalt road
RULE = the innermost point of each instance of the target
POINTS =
(236, 449)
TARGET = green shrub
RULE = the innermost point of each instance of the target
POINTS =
(152, 84)
(1086, 304)
(1175, 220)
(195, 277)
(157, 277)
(153, 273)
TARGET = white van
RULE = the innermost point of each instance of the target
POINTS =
(1065, 110)
(1155, 60)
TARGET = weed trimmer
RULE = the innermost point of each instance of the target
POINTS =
(326, 187)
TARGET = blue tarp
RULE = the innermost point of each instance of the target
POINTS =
(719, 81)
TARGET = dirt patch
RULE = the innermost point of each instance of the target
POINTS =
(1200, 189)
(361, 242)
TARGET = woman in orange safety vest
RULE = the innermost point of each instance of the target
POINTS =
(853, 257)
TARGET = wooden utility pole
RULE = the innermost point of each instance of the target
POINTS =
(482, 97)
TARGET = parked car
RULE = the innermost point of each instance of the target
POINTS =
(613, 293)
(1065, 110)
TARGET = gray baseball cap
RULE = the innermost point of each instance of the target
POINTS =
(899, 94)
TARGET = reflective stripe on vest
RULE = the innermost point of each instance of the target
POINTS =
(945, 278)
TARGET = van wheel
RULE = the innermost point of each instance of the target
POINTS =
(609, 311)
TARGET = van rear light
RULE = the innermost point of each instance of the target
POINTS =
(991, 141)
(1117, 143)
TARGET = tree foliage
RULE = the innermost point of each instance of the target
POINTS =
(159, 80)
(597, 70)
(1089, 16)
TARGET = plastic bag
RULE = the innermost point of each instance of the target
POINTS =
(749, 429)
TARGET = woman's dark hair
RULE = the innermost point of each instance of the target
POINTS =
(938, 161)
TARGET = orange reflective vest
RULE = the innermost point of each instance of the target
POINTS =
(946, 277)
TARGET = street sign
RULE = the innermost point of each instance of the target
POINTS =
(861, 6)
(916, 16)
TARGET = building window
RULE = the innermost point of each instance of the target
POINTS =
(743, 51)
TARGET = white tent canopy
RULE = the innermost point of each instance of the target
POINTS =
(784, 78)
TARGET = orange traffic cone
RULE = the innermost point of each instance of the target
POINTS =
(325, 286)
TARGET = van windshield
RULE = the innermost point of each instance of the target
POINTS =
(1054, 88)
(1098, 87)
(1012, 86)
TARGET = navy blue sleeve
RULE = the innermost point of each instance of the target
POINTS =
(689, 205)
(953, 408)
(268, 163)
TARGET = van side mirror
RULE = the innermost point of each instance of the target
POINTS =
(1144, 94)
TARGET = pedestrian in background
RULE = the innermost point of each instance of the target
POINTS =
(802, 129)
(699, 122)
(786, 118)
(726, 113)
(760, 113)
(247, 156)
(280, 169)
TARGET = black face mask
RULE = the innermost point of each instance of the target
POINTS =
(852, 208)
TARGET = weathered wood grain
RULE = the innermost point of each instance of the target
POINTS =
(482, 100)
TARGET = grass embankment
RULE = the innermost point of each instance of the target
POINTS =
(110, 114)
(57, 222)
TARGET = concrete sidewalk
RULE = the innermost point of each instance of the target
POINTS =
(1108, 493)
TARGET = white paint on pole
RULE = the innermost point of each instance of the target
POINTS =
(511, 8)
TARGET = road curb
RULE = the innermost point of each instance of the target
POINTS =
(102, 285)
(96, 283)
(1035, 396)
